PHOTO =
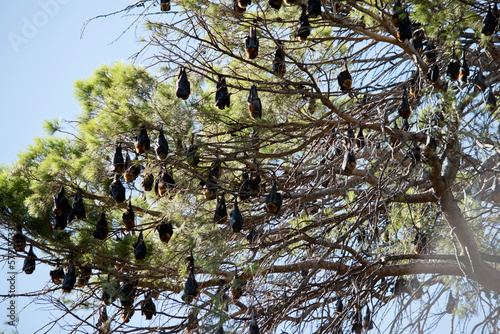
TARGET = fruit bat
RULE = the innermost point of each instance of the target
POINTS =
(252, 43)
(304, 27)
(209, 190)
(117, 190)
(57, 275)
(400, 287)
(193, 155)
(165, 231)
(30, 262)
(141, 142)
(254, 104)
(357, 326)
(349, 139)
(164, 183)
(148, 182)
(220, 330)
(311, 105)
(430, 147)
(244, 3)
(84, 277)
(414, 153)
(19, 240)
(430, 53)
(60, 202)
(279, 67)
(128, 217)
(254, 183)
(397, 11)
(451, 304)
(491, 100)
(252, 237)
(220, 216)
(101, 231)
(132, 171)
(102, 323)
(161, 146)
(313, 8)
(79, 207)
(453, 68)
(61, 221)
(490, 22)
(404, 107)
(118, 162)
(140, 248)
(109, 292)
(479, 80)
(394, 141)
(190, 287)
(495, 191)
(237, 8)
(339, 307)
(360, 139)
(148, 308)
(127, 296)
(464, 68)
(418, 39)
(420, 243)
(183, 85)
(404, 30)
(433, 74)
(344, 78)
(349, 163)
(235, 218)
(275, 4)
(414, 84)
(254, 327)
(274, 200)
(222, 96)
(69, 279)
(367, 320)
(215, 171)
(304, 273)
(237, 288)
(165, 5)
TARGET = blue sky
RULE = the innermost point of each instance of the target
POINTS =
(41, 57)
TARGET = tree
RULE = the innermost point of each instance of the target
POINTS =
(355, 144)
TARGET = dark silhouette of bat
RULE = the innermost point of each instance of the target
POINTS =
(118, 162)
(254, 104)
(304, 27)
(275, 4)
(220, 216)
(254, 327)
(148, 182)
(453, 68)
(222, 96)
(404, 107)
(464, 68)
(79, 211)
(279, 67)
(344, 78)
(252, 43)
(140, 248)
(101, 231)
(148, 308)
(161, 146)
(128, 217)
(57, 275)
(274, 200)
(84, 277)
(142, 143)
(29, 264)
(19, 240)
(349, 163)
(490, 23)
(165, 5)
(235, 218)
(433, 74)
(69, 279)
(183, 86)
(117, 190)
(165, 231)
(314, 8)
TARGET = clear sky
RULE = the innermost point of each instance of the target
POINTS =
(41, 55)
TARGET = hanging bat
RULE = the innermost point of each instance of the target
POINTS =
(279, 67)
(453, 68)
(349, 140)
(127, 296)
(360, 139)
(220, 216)
(430, 53)
(237, 8)
(117, 190)
(118, 162)
(491, 100)
(404, 30)
(140, 248)
(79, 206)
(415, 152)
(142, 143)
(148, 308)
(19, 240)
(414, 84)
(418, 39)
(304, 27)
(190, 287)
(148, 182)
(430, 147)
(84, 277)
(69, 279)
(397, 11)
(61, 203)
(490, 23)
(394, 141)
(349, 163)
(183, 85)
(235, 218)
(29, 264)
(479, 80)
(222, 96)
(254, 327)
(314, 8)
(60, 222)
(161, 146)
(102, 323)
(275, 4)
(404, 107)
(253, 236)
(165, 182)
(357, 326)
(420, 243)
(254, 104)
(132, 171)
(193, 155)
(252, 43)
(209, 190)
(464, 68)
(165, 5)
(367, 320)
(339, 307)
(433, 74)
(274, 200)
(344, 78)
(128, 217)
(165, 231)
(102, 230)
(57, 275)
(220, 330)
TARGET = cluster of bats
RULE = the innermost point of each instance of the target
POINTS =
(251, 183)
